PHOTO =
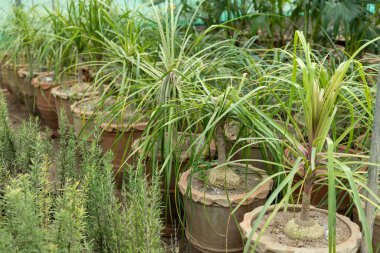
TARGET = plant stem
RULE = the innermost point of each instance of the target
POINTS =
(306, 198)
(80, 70)
(222, 176)
(220, 144)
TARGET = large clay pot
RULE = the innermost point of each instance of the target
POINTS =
(119, 138)
(28, 91)
(83, 113)
(45, 101)
(67, 94)
(210, 227)
(266, 244)
(169, 191)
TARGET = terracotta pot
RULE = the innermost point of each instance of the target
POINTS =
(320, 190)
(171, 215)
(209, 225)
(83, 113)
(45, 101)
(67, 94)
(376, 227)
(119, 138)
(28, 91)
(266, 244)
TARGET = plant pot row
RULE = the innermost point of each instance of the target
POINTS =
(210, 224)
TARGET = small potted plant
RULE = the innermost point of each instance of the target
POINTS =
(211, 194)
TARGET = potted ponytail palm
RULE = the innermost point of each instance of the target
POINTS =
(72, 44)
(302, 228)
(211, 194)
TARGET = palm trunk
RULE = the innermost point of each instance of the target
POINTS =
(222, 176)
(221, 145)
(306, 198)
(80, 70)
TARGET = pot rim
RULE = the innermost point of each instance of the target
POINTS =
(351, 243)
(80, 112)
(56, 91)
(112, 127)
(223, 200)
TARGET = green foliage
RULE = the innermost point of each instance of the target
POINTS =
(104, 221)
(143, 212)
(69, 221)
(25, 144)
(67, 161)
(7, 148)
(22, 221)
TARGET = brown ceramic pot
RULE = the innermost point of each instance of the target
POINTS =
(45, 101)
(28, 91)
(266, 244)
(170, 216)
(67, 94)
(119, 138)
(210, 227)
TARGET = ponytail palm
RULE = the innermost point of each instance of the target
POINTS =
(320, 92)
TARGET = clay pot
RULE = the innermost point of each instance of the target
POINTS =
(171, 214)
(119, 138)
(28, 91)
(209, 224)
(83, 113)
(45, 101)
(267, 245)
(376, 227)
(67, 94)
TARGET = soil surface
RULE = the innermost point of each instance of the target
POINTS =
(248, 181)
(276, 227)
